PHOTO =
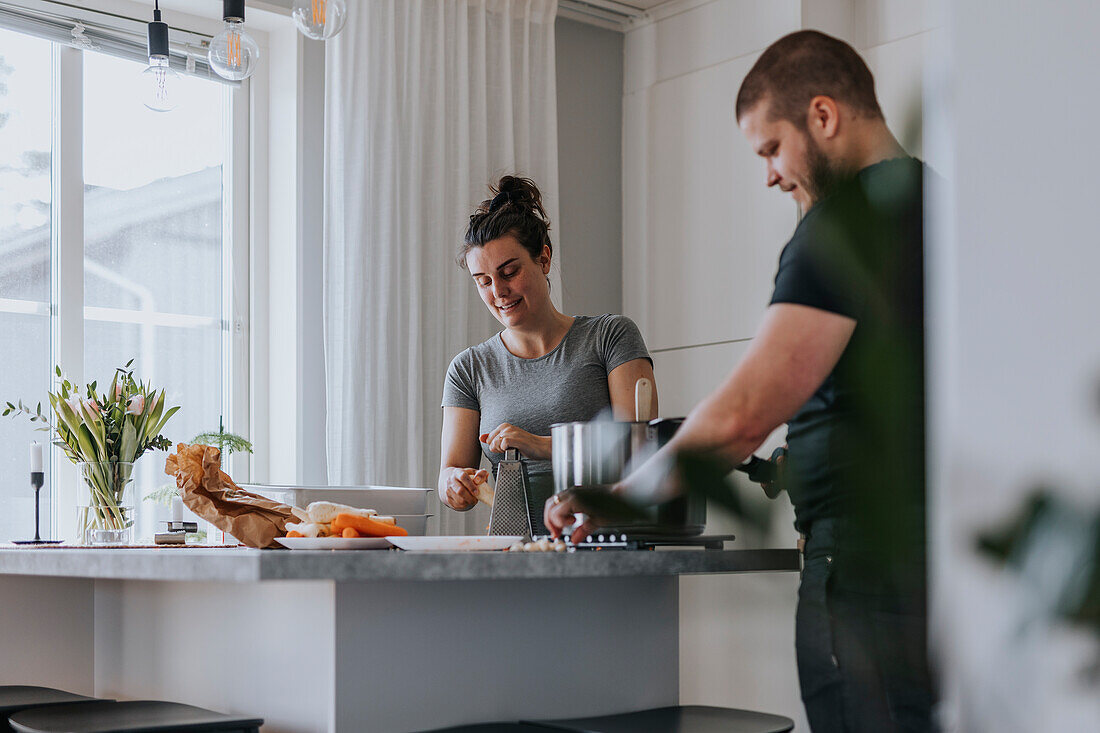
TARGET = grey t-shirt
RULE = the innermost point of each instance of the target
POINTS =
(567, 384)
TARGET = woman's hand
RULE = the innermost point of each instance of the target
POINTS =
(458, 486)
(509, 436)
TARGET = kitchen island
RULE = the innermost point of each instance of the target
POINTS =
(357, 641)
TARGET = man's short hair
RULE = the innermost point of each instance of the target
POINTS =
(801, 66)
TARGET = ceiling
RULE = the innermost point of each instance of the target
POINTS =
(644, 4)
(608, 13)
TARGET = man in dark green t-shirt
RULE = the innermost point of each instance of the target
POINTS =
(839, 357)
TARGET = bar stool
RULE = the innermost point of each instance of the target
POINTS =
(14, 698)
(677, 719)
(493, 728)
(131, 716)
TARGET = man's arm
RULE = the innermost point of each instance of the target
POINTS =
(793, 353)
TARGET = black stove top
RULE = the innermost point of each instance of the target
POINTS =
(626, 541)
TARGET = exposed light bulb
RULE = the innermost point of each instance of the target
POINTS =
(159, 80)
(320, 19)
(158, 77)
(233, 53)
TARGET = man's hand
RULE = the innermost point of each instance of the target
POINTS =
(777, 484)
(507, 436)
(560, 512)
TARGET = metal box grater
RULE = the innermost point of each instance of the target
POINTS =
(511, 506)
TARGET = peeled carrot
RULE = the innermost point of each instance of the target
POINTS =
(292, 533)
(351, 533)
(366, 527)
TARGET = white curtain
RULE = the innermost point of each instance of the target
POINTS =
(427, 102)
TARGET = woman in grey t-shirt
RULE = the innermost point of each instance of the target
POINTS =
(544, 367)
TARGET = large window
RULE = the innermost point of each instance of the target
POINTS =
(153, 243)
(153, 255)
(26, 113)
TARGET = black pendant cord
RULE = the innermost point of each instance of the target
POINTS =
(158, 34)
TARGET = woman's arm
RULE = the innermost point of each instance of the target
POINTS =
(460, 456)
(620, 383)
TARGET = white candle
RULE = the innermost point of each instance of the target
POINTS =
(36, 458)
(177, 509)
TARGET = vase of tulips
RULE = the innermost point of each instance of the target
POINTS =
(104, 433)
(105, 503)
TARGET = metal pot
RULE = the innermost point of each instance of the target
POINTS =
(602, 452)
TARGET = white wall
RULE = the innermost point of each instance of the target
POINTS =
(589, 232)
(1014, 355)
(288, 370)
(701, 241)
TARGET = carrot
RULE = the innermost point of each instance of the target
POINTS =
(366, 527)
(292, 533)
(351, 533)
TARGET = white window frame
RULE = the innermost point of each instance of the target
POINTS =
(67, 309)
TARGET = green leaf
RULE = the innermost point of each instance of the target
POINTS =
(67, 415)
(164, 420)
(69, 452)
(87, 444)
(97, 424)
(57, 369)
(227, 443)
(163, 495)
(154, 412)
(128, 448)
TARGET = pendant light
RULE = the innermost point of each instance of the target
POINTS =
(233, 53)
(319, 19)
(158, 78)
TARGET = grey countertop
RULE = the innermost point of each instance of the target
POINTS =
(245, 565)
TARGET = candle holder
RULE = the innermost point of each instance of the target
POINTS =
(37, 480)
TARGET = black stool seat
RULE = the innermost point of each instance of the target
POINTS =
(493, 728)
(132, 716)
(14, 698)
(677, 719)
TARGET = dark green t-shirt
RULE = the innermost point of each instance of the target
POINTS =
(856, 448)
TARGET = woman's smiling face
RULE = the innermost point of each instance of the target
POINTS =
(511, 283)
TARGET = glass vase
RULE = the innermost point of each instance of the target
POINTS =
(105, 504)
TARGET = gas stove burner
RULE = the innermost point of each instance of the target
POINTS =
(618, 541)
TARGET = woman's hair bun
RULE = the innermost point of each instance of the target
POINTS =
(516, 209)
(522, 193)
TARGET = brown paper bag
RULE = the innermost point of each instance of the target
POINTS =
(210, 493)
